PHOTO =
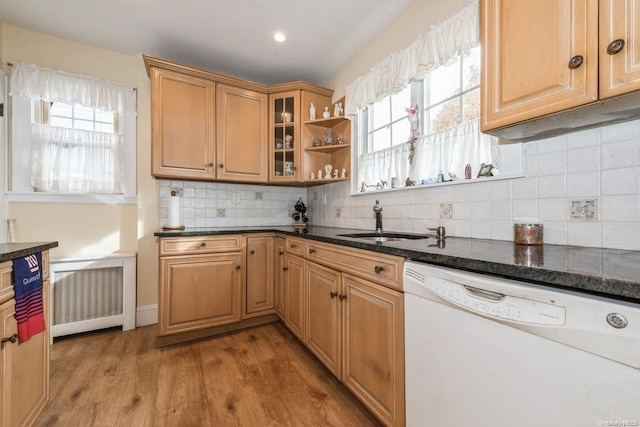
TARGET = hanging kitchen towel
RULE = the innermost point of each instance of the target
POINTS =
(27, 282)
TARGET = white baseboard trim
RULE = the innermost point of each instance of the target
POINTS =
(147, 315)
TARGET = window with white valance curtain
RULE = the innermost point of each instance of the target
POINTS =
(420, 149)
(72, 134)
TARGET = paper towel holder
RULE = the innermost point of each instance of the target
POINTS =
(174, 212)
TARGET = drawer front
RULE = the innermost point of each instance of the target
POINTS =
(379, 268)
(6, 281)
(295, 246)
(200, 244)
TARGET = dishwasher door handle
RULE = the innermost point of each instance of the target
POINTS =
(483, 294)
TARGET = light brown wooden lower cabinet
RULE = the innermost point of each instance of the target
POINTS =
(199, 291)
(295, 291)
(260, 276)
(280, 296)
(24, 377)
(355, 327)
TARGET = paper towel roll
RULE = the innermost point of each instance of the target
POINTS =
(174, 212)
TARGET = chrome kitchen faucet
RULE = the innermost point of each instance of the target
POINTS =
(378, 210)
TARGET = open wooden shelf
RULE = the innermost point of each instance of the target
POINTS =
(328, 148)
(326, 123)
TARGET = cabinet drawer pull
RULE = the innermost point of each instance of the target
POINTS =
(334, 294)
(342, 297)
(285, 268)
(576, 62)
(378, 269)
(615, 46)
(252, 252)
(281, 253)
(13, 338)
(312, 251)
(203, 244)
(292, 246)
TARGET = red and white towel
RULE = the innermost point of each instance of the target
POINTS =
(27, 282)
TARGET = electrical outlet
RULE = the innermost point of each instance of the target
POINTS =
(236, 198)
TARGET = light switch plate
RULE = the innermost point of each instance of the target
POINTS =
(236, 198)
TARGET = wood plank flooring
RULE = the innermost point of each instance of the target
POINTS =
(256, 377)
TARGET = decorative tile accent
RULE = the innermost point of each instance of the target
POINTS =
(583, 210)
(446, 210)
(338, 212)
(258, 195)
(221, 213)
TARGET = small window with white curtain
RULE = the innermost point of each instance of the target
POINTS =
(72, 134)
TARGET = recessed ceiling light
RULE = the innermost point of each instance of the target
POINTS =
(279, 37)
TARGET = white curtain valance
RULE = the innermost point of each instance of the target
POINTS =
(456, 34)
(31, 81)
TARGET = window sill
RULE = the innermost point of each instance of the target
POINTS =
(110, 199)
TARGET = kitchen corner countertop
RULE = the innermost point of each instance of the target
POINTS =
(609, 273)
(11, 251)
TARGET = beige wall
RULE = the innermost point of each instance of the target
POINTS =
(92, 228)
(403, 30)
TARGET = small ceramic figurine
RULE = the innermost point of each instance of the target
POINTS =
(329, 136)
(335, 173)
(317, 142)
(341, 109)
(327, 171)
(344, 173)
(336, 110)
(319, 173)
(340, 138)
(326, 114)
(313, 176)
(312, 112)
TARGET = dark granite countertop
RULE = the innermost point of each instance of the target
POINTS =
(606, 272)
(11, 251)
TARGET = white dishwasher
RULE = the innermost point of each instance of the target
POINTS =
(487, 351)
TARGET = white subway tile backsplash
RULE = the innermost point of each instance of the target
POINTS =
(552, 145)
(524, 188)
(480, 229)
(621, 131)
(481, 210)
(583, 138)
(625, 208)
(501, 210)
(583, 159)
(553, 163)
(620, 181)
(555, 232)
(552, 209)
(620, 235)
(585, 184)
(584, 234)
(501, 190)
(552, 186)
(525, 209)
(621, 154)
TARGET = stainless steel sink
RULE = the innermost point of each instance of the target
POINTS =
(385, 237)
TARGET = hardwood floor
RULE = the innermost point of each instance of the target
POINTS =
(256, 377)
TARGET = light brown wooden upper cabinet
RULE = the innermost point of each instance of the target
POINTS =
(182, 125)
(619, 47)
(241, 128)
(543, 57)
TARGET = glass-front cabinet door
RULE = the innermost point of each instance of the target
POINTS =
(285, 136)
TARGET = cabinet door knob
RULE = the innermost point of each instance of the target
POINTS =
(208, 165)
(252, 252)
(13, 338)
(333, 294)
(575, 62)
(281, 253)
(285, 268)
(292, 246)
(378, 269)
(220, 165)
(615, 46)
(342, 297)
(203, 244)
(238, 267)
(312, 251)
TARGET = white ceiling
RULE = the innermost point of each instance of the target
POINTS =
(233, 37)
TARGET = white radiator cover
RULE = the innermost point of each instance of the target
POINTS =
(92, 293)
